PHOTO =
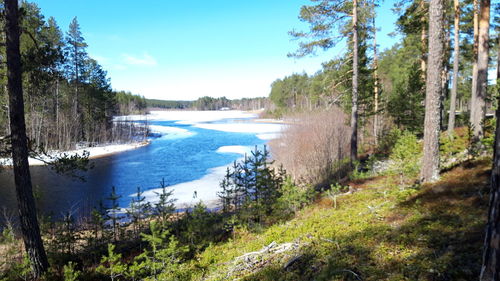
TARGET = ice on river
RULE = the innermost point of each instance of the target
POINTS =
(204, 189)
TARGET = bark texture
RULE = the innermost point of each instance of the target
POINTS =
(430, 161)
(490, 270)
(375, 85)
(354, 109)
(482, 69)
(456, 53)
(474, 64)
(25, 200)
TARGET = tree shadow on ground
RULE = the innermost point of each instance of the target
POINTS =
(436, 234)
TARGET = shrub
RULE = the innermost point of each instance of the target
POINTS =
(406, 156)
(452, 147)
(293, 198)
(70, 273)
(312, 148)
(388, 140)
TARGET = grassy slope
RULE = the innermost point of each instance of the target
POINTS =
(381, 232)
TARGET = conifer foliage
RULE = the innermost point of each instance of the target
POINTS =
(251, 187)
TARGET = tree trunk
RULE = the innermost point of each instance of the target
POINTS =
(375, 74)
(445, 77)
(482, 68)
(474, 93)
(490, 269)
(25, 200)
(354, 109)
(456, 50)
(430, 161)
(423, 37)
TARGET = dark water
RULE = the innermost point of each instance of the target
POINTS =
(176, 158)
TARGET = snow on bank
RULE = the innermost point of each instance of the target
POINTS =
(94, 152)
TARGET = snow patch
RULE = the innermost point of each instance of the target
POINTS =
(188, 117)
(171, 132)
(238, 149)
(190, 193)
(94, 152)
(253, 128)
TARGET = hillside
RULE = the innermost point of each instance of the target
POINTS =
(382, 231)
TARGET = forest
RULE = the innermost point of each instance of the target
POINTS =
(388, 167)
(68, 95)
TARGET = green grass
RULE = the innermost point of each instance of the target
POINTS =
(380, 232)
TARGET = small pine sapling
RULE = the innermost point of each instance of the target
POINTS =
(111, 265)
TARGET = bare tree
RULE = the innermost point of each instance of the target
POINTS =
(430, 163)
(456, 50)
(25, 200)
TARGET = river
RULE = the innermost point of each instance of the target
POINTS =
(190, 152)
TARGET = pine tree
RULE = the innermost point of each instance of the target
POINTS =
(138, 210)
(325, 18)
(165, 206)
(113, 212)
(456, 55)
(430, 162)
(480, 93)
(76, 56)
(22, 178)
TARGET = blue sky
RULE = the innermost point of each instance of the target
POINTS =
(181, 50)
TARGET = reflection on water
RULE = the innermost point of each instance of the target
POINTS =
(177, 159)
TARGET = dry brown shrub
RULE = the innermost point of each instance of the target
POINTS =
(314, 147)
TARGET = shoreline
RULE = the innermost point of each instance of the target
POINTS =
(95, 152)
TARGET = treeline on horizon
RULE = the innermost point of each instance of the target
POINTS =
(202, 103)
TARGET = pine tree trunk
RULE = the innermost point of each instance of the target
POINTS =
(423, 37)
(354, 109)
(25, 200)
(456, 50)
(375, 76)
(474, 89)
(430, 161)
(490, 269)
(482, 68)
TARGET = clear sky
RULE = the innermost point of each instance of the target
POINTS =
(181, 50)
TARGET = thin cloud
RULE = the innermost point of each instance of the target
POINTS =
(146, 60)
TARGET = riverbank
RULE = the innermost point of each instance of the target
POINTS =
(94, 153)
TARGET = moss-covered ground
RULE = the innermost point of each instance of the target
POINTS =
(382, 231)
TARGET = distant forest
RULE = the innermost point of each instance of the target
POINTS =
(132, 103)
(68, 95)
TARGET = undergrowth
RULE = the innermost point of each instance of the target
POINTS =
(381, 232)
